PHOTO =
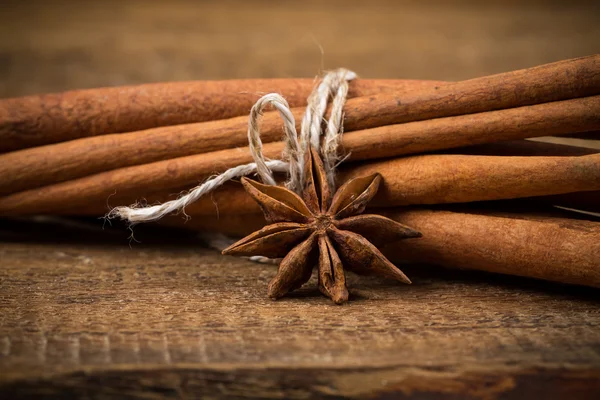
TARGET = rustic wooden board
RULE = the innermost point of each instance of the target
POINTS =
(83, 313)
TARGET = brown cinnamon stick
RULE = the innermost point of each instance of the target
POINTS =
(428, 179)
(30, 168)
(516, 245)
(562, 80)
(440, 179)
(50, 118)
(248, 219)
(556, 249)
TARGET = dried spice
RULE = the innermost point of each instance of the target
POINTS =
(321, 229)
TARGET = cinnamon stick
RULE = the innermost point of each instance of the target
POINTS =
(50, 118)
(247, 219)
(504, 245)
(516, 245)
(31, 168)
(562, 80)
(428, 179)
(440, 179)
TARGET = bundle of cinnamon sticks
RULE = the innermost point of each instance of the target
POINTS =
(454, 157)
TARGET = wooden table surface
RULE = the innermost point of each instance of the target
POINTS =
(84, 312)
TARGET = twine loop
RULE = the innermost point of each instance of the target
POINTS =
(334, 85)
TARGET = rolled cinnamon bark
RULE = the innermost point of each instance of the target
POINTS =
(441, 179)
(562, 80)
(555, 118)
(50, 118)
(31, 168)
(515, 245)
(242, 221)
(437, 179)
(504, 245)
(428, 179)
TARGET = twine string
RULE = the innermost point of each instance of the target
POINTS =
(335, 126)
(333, 85)
(291, 137)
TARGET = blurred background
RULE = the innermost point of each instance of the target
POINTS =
(48, 46)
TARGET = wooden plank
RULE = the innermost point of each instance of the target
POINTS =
(82, 313)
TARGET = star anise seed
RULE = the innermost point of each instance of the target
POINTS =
(318, 229)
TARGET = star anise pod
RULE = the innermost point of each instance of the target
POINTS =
(320, 229)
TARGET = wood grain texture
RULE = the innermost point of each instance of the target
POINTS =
(100, 319)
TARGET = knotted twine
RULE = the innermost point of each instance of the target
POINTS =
(334, 85)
